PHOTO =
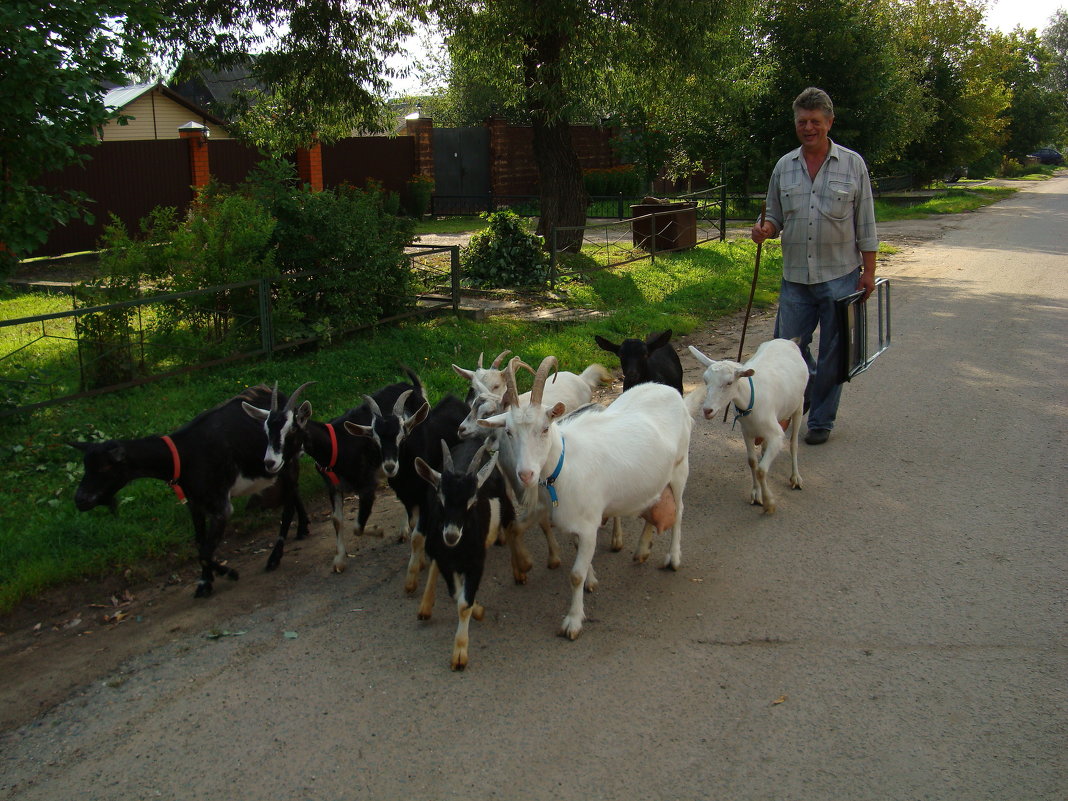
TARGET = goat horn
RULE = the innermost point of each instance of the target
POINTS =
(480, 360)
(398, 407)
(511, 392)
(292, 402)
(446, 458)
(476, 460)
(548, 363)
(274, 397)
(373, 405)
(497, 362)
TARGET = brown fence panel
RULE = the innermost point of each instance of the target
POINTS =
(232, 160)
(389, 160)
(514, 169)
(126, 178)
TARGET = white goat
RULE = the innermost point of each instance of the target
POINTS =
(770, 402)
(567, 388)
(630, 459)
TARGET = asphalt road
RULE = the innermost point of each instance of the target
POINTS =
(895, 631)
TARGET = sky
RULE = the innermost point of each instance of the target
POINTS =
(1002, 15)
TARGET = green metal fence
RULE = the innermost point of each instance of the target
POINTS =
(92, 349)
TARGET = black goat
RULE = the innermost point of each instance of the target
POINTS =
(463, 511)
(237, 448)
(353, 464)
(402, 436)
(653, 360)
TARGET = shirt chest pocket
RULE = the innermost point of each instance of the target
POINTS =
(792, 198)
(837, 201)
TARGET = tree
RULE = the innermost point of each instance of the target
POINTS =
(1037, 112)
(549, 63)
(963, 95)
(54, 60)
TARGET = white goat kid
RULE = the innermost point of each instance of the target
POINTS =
(768, 393)
(617, 462)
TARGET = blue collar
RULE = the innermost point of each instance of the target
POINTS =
(548, 483)
(752, 400)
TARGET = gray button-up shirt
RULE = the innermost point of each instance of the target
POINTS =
(826, 223)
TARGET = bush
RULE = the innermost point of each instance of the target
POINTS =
(503, 254)
(1011, 168)
(417, 196)
(612, 181)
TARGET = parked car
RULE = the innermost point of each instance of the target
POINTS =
(1046, 155)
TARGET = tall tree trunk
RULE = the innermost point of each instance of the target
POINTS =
(563, 196)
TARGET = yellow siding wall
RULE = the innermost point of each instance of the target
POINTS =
(154, 116)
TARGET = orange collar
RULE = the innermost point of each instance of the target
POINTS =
(177, 461)
(328, 471)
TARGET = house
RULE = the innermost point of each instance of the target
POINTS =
(155, 111)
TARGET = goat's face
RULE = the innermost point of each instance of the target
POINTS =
(388, 432)
(527, 430)
(482, 406)
(284, 429)
(721, 382)
(457, 495)
(106, 472)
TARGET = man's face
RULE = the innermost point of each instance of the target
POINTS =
(812, 127)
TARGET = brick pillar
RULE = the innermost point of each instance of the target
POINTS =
(310, 166)
(422, 128)
(196, 136)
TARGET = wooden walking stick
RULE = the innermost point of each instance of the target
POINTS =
(752, 292)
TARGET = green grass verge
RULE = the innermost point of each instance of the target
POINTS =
(45, 541)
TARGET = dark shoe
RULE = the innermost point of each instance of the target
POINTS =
(817, 436)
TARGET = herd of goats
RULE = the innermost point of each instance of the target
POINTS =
(471, 471)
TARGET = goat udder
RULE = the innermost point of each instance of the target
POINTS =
(661, 515)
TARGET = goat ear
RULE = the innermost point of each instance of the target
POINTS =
(707, 362)
(486, 469)
(255, 412)
(654, 341)
(427, 473)
(604, 344)
(303, 415)
(746, 373)
(418, 417)
(82, 446)
(357, 430)
(557, 410)
(467, 375)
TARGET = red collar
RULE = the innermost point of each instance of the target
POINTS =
(328, 471)
(177, 468)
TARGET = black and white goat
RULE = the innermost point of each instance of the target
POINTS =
(237, 448)
(630, 459)
(465, 507)
(652, 360)
(353, 464)
(402, 436)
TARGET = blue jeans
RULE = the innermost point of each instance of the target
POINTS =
(802, 307)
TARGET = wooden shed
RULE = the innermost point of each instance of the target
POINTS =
(155, 112)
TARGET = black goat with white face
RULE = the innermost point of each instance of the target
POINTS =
(653, 360)
(465, 508)
(353, 464)
(231, 450)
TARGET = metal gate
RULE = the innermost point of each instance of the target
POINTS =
(461, 170)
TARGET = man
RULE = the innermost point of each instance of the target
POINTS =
(820, 199)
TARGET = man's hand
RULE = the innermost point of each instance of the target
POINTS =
(762, 231)
(867, 275)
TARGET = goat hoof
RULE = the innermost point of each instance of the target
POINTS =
(203, 591)
(338, 567)
(478, 611)
(553, 563)
(570, 630)
(520, 578)
(422, 615)
(233, 575)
